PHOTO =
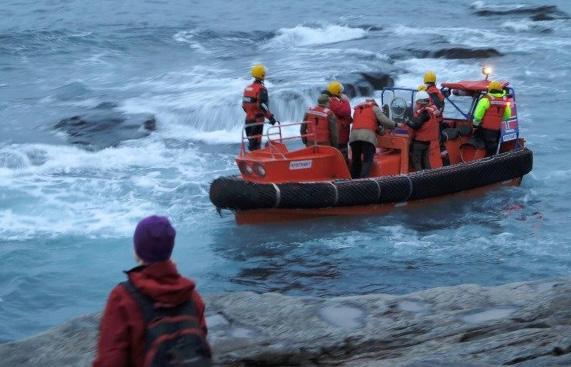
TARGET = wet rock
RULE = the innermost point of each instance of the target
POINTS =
(458, 53)
(547, 10)
(365, 84)
(519, 324)
(105, 126)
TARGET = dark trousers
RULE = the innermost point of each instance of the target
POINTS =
(419, 155)
(255, 142)
(362, 169)
(490, 139)
(345, 151)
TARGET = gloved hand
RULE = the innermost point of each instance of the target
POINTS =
(272, 120)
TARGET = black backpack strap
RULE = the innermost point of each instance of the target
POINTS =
(145, 303)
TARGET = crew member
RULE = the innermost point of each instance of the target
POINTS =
(368, 121)
(425, 123)
(339, 104)
(436, 96)
(491, 110)
(320, 124)
(255, 103)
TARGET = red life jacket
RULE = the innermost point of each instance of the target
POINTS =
(318, 125)
(430, 130)
(494, 115)
(337, 105)
(364, 116)
(433, 89)
(251, 101)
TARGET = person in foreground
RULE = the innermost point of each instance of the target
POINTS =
(156, 317)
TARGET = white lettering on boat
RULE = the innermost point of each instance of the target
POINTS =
(300, 164)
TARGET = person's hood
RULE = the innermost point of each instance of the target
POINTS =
(162, 282)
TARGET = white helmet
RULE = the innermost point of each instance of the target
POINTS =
(421, 96)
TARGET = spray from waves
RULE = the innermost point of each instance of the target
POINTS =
(526, 26)
(202, 107)
(190, 38)
(301, 35)
(54, 191)
(482, 5)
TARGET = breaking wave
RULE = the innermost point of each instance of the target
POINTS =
(309, 36)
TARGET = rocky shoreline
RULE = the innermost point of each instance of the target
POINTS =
(517, 324)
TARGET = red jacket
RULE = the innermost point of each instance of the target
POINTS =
(342, 110)
(121, 334)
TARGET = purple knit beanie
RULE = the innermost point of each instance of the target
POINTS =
(154, 239)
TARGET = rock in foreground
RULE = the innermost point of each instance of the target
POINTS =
(519, 324)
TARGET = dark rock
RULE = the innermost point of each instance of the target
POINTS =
(519, 324)
(521, 10)
(365, 84)
(371, 27)
(105, 127)
(458, 53)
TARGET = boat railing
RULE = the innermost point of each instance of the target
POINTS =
(274, 134)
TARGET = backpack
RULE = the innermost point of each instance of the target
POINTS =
(173, 337)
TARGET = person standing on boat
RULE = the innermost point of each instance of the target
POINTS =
(341, 107)
(436, 96)
(368, 121)
(425, 122)
(255, 102)
(320, 124)
(491, 110)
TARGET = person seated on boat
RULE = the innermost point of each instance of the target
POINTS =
(425, 123)
(255, 102)
(368, 121)
(491, 110)
(320, 124)
(341, 107)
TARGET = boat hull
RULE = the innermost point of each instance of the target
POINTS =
(254, 202)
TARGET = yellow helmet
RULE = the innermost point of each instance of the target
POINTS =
(258, 71)
(421, 87)
(335, 88)
(495, 85)
(430, 77)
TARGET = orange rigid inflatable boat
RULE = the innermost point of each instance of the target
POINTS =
(286, 180)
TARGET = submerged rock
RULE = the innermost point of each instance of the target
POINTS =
(105, 126)
(458, 53)
(518, 324)
(551, 10)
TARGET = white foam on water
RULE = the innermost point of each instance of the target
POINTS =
(189, 37)
(482, 5)
(524, 25)
(96, 194)
(448, 70)
(301, 35)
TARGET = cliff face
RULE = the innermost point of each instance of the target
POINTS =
(521, 324)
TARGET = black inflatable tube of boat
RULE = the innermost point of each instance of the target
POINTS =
(232, 192)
